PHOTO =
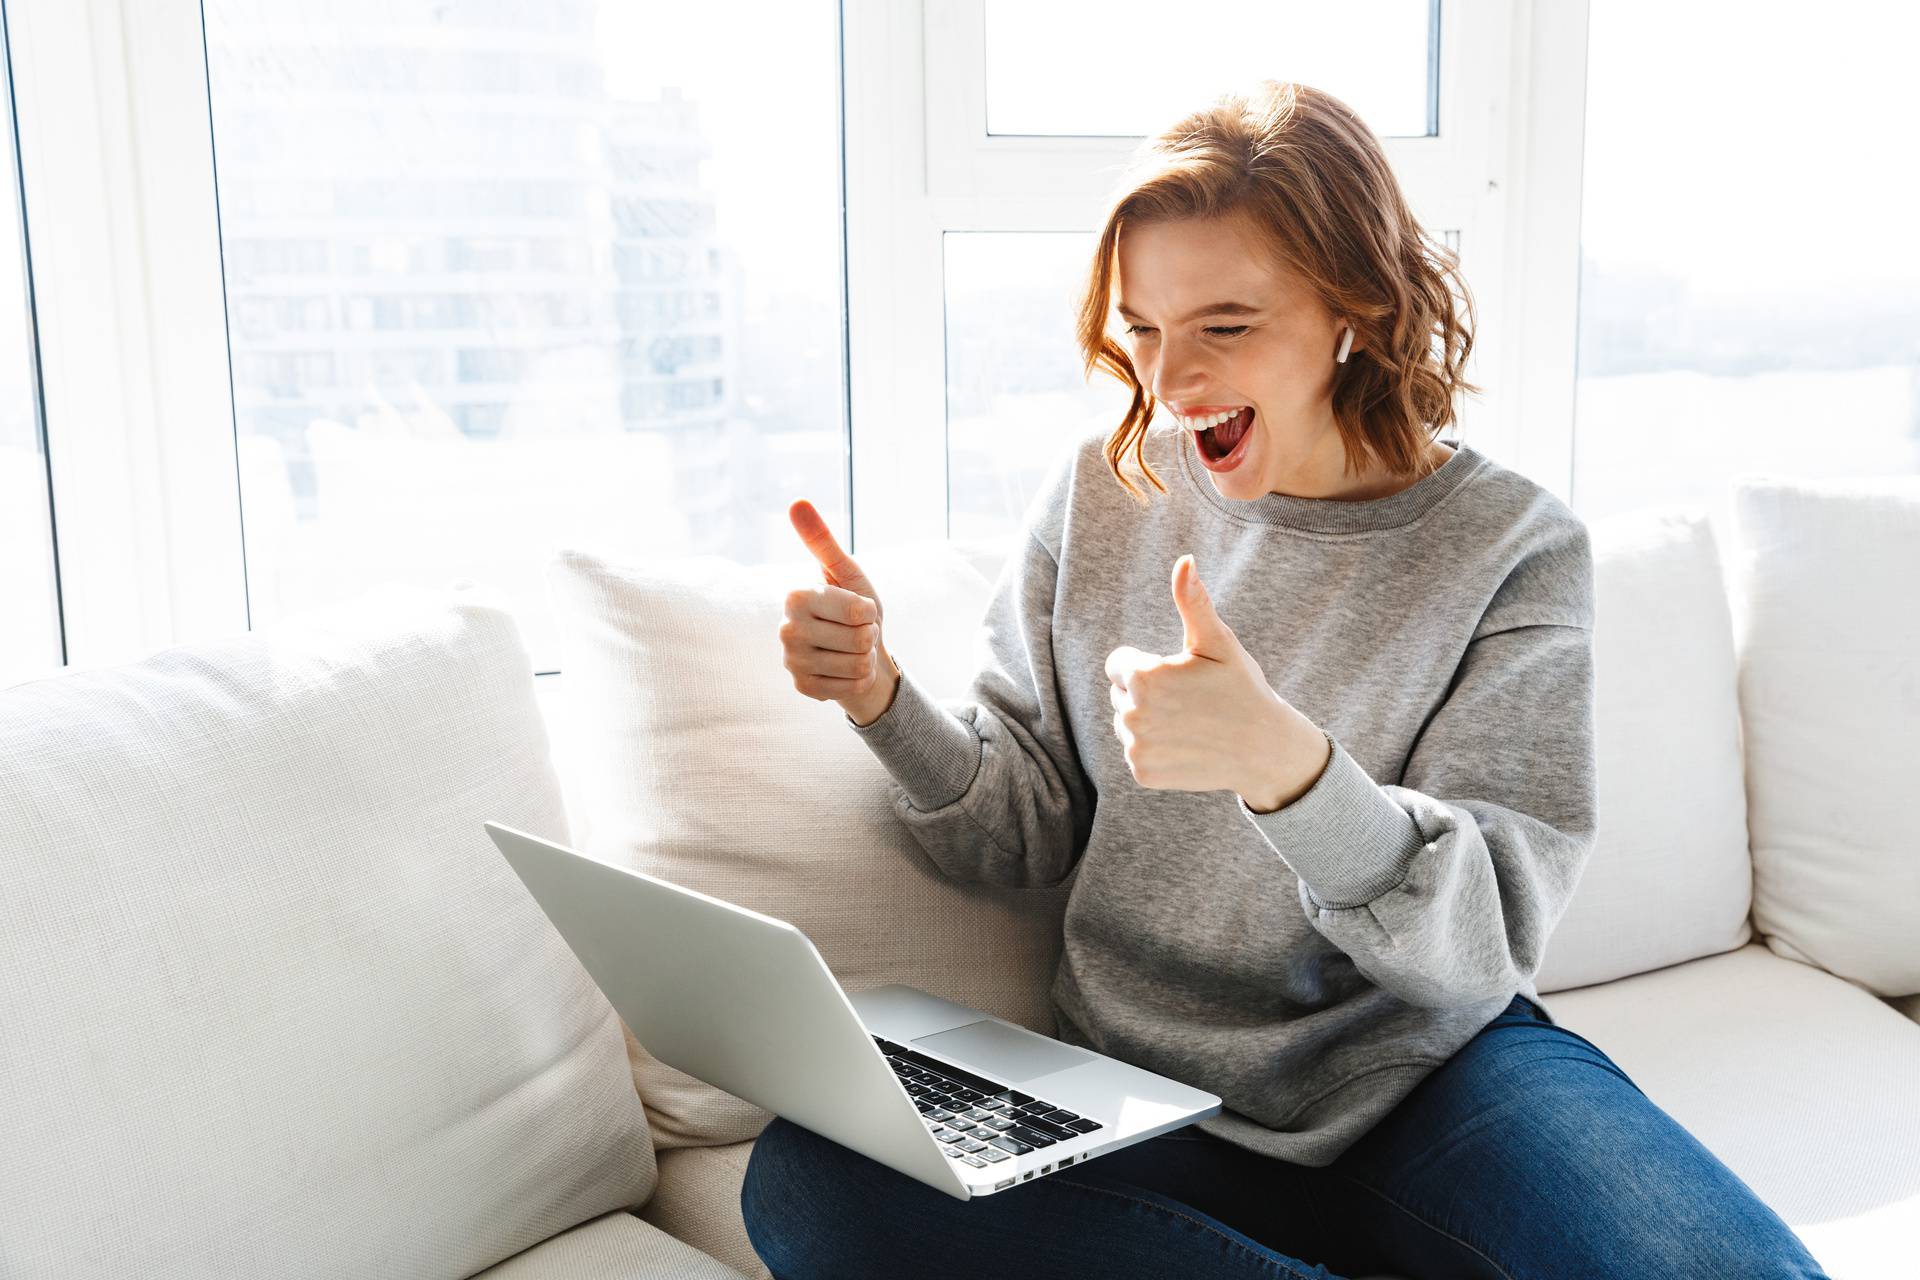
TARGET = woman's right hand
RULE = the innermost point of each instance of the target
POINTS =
(831, 635)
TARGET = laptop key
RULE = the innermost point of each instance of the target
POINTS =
(1059, 1117)
(993, 1154)
(1083, 1125)
(1012, 1146)
(998, 1122)
(970, 1145)
(1054, 1131)
(1032, 1137)
(938, 1113)
(975, 1161)
(975, 1113)
(947, 1069)
(991, 1104)
(961, 1123)
(954, 1153)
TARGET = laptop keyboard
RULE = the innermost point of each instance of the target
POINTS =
(978, 1120)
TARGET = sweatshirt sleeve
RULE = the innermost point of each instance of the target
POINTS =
(1445, 889)
(992, 786)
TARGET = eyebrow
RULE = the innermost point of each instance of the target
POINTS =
(1211, 309)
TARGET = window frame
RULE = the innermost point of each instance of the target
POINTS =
(1503, 171)
(117, 178)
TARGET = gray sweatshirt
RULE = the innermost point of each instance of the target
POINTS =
(1312, 965)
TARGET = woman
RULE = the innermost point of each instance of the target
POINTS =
(1322, 815)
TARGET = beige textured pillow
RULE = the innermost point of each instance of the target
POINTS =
(699, 762)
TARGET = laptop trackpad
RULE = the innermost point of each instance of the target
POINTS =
(1013, 1053)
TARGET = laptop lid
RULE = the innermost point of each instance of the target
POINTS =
(738, 999)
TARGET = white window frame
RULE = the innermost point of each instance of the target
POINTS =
(118, 179)
(920, 163)
(116, 165)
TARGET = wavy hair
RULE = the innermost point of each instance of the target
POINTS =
(1313, 178)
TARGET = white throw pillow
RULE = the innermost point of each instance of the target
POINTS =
(1670, 876)
(702, 764)
(1830, 694)
(271, 1003)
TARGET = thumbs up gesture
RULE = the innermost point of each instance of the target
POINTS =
(830, 637)
(1205, 719)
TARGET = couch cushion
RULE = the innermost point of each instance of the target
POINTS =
(698, 1200)
(1669, 877)
(1830, 696)
(1803, 1084)
(702, 764)
(615, 1246)
(272, 1002)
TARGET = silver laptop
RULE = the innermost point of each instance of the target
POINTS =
(952, 1097)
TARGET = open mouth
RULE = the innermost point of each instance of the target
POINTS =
(1219, 442)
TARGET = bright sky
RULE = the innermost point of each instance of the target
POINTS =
(1755, 147)
(1143, 64)
(765, 79)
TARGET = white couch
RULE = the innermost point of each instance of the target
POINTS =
(271, 1004)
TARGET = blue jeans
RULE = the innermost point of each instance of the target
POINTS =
(1528, 1153)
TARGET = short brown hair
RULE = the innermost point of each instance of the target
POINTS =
(1313, 177)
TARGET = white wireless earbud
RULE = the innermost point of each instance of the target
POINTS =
(1346, 345)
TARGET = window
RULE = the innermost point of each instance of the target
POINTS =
(1749, 274)
(501, 277)
(1136, 65)
(475, 278)
(1031, 112)
(1015, 394)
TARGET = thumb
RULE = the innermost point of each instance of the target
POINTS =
(838, 566)
(1206, 633)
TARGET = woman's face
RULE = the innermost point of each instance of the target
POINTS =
(1212, 324)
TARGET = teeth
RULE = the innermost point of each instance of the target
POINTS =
(1206, 420)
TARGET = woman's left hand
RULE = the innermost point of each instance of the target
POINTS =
(1206, 719)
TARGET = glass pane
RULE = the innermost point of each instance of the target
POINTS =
(30, 616)
(1750, 281)
(1015, 394)
(1129, 67)
(502, 276)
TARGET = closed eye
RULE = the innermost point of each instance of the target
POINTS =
(1219, 331)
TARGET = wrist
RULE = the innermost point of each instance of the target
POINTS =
(880, 700)
(1297, 754)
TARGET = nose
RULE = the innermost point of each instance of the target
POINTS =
(1178, 373)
